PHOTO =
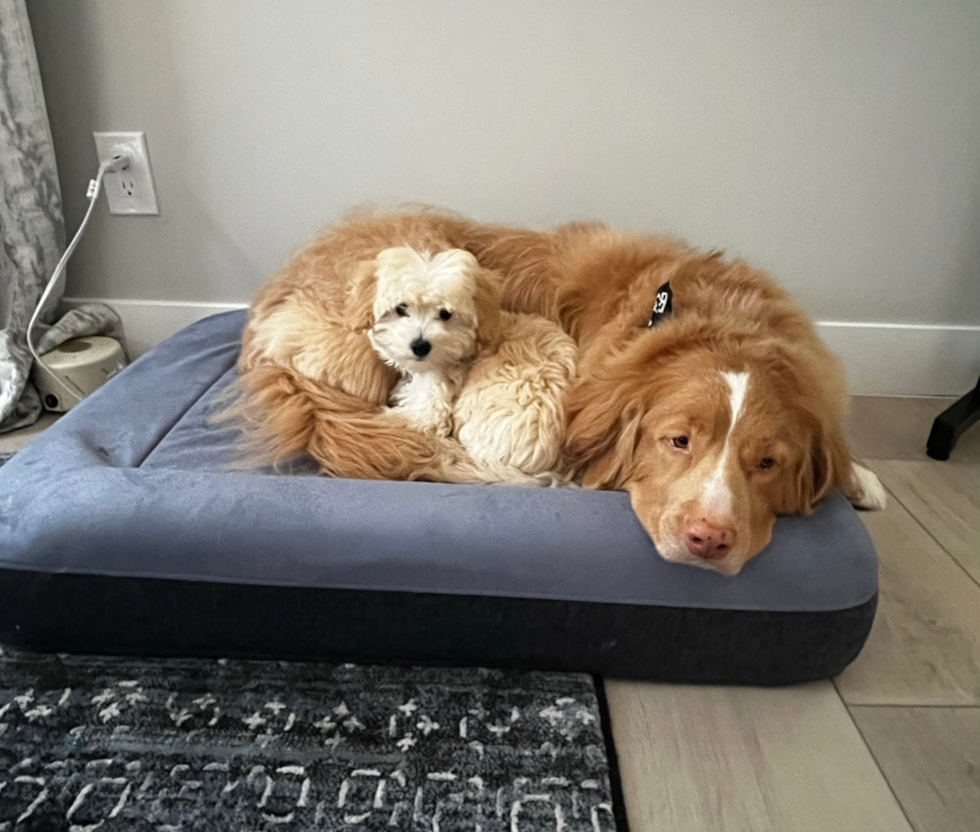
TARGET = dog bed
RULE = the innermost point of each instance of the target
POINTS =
(122, 530)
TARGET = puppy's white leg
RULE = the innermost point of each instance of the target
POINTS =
(866, 491)
(426, 400)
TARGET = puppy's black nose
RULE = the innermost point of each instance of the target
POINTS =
(421, 347)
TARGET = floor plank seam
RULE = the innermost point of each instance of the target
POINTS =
(909, 707)
(874, 759)
(925, 528)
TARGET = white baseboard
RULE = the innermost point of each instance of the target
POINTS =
(881, 359)
(906, 359)
(148, 322)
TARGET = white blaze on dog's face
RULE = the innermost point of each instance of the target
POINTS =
(707, 519)
(426, 308)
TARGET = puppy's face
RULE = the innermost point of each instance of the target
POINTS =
(431, 312)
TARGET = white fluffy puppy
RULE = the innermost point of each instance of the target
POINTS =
(429, 326)
(495, 380)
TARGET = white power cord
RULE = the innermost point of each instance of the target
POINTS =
(120, 161)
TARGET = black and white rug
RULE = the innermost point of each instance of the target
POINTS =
(101, 743)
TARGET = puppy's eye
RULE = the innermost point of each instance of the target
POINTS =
(767, 462)
(681, 442)
(401, 310)
(445, 314)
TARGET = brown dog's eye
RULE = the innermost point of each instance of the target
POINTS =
(445, 314)
(681, 442)
(401, 310)
(767, 462)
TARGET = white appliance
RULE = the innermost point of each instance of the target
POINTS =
(82, 365)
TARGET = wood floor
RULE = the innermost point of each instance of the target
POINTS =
(893, 744)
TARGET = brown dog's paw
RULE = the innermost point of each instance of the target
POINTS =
(866, 492)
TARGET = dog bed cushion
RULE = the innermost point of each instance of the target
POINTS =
(122, 530)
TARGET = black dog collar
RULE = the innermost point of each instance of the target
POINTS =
(663, 305)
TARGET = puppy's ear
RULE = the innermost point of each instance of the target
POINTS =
(488, 300)
(602, 436)
(361, 291)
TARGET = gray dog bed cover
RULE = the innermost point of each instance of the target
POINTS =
(123, 531)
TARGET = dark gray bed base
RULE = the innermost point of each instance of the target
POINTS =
(133, 616)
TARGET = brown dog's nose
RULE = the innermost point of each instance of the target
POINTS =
(708, 540)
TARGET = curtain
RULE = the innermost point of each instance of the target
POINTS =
(32, 228)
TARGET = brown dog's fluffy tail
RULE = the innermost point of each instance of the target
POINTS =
(283, 415)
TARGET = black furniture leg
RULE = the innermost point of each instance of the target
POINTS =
(950, 424)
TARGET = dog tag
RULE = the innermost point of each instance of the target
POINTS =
(663, 305)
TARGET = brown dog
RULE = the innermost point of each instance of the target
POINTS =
(716, 417)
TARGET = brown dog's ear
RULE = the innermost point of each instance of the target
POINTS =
(602, 436)
(827, 466)
(361, 292)
(815, 390)
(488, 300)
(614, 467)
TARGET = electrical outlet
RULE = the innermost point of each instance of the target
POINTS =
(128, 191)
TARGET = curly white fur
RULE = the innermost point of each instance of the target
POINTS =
(504, 403)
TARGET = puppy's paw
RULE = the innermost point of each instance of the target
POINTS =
(866, 491)
(555, 479)
(440, 427)
(548, 480)
(443, 429)
(433, 421)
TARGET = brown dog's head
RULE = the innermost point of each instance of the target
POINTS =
(711, 447)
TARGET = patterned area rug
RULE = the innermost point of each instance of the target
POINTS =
(101, 743)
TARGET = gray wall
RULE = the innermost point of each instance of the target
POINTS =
(837, 144)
